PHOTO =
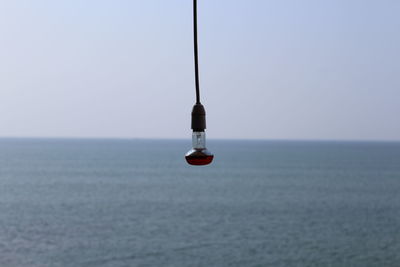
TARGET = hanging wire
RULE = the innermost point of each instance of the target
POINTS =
(196, 52)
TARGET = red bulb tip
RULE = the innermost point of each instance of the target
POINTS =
(199, 160)
(199, 157)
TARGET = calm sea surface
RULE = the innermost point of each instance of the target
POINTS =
(121, 203)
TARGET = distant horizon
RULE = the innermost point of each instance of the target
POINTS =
(189, 139)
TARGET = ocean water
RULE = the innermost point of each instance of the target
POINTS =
(117, 203)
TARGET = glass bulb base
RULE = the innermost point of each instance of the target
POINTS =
(199, 157)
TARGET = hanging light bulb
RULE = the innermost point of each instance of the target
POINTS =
(198, 155)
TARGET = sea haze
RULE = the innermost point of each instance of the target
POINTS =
(114, 203)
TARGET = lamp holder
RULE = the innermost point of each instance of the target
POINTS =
(198, 118)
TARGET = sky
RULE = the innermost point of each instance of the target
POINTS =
(312, 70)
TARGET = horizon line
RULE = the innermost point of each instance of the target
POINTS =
(210, 139)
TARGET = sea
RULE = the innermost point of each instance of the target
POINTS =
(121, 203)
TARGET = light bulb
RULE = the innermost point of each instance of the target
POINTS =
(199, 155)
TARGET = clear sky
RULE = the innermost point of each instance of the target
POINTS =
(269, 69)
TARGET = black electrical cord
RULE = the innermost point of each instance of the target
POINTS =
(196, 52)
(198, 112)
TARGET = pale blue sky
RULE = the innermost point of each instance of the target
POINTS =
(269, 69)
